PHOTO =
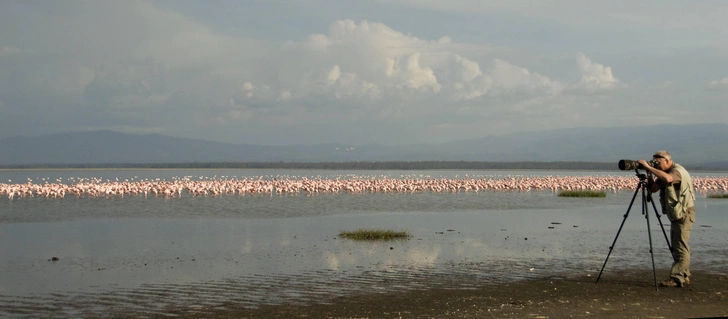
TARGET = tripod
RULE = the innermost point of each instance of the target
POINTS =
(646, 197)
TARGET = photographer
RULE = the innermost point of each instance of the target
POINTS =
(678, 203)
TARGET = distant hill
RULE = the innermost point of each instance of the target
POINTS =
(701, 145)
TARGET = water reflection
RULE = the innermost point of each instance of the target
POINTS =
(130, 252)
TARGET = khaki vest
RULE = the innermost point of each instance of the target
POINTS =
(676, 205)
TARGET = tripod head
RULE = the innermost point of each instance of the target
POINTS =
(644, 183)
(642, 176)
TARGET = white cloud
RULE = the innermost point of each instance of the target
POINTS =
(368, 55)
(412, 74)
(285, 96)
(468, 70)
(374, 61)
(333, 75)
(502, 79)
(595, 77)
(8, 51)
(508, 77)
(719, 84)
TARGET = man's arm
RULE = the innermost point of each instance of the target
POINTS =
(662, 176)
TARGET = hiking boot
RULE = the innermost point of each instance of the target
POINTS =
(686, 281)
(669, 283)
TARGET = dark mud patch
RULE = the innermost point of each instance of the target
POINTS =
(619, 295)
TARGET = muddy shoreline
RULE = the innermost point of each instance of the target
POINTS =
(626, 294)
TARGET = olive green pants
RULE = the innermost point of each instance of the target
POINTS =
(679, 237)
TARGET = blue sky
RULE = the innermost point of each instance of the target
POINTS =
(358, 72)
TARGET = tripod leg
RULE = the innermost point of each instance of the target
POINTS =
(619, 231)
(663, 228)
(646, 212)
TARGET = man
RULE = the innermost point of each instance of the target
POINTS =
(678, 203)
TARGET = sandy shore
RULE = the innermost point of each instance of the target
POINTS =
(617, 295)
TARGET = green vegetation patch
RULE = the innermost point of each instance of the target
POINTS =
(717, 195)
(583, 194)
(374, 234)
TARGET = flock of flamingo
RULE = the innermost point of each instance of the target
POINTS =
(199, 186)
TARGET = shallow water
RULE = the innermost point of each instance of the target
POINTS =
(154, 254)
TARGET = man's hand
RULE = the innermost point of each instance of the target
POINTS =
(644, 164)
(660, 174)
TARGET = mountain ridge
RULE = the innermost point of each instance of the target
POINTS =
(689, 144)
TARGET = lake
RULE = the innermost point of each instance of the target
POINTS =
(151, 254)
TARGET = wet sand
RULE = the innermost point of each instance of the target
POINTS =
(630, 294)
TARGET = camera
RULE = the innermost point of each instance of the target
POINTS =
(626, 164)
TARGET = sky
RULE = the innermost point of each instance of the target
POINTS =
(358, 72)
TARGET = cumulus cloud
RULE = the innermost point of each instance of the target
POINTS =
(408, 72)
(595, 77)
(362, 59)
(501, 79)
(371, 60)
(508, 77)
